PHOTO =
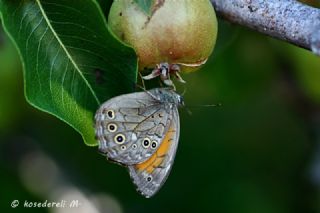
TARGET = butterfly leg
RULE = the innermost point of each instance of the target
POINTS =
(142, 81)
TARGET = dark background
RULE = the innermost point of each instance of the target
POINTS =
(257, 153)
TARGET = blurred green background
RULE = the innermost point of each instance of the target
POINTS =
(257, 153)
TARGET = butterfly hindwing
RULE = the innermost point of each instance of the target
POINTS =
(150, 175)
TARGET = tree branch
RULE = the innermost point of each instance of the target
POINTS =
(288, 20)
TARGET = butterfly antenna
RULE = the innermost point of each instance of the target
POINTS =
(187, 107)
(206, 105)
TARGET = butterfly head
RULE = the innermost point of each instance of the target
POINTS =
(168, 96)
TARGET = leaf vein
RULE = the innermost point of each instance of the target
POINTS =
(51, 70)
(25, 15)
(67, 52)
(62, 82)
(37, 61)
(82, 39)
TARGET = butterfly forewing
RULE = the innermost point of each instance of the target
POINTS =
(131, 127)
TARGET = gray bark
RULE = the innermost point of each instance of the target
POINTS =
(288, 20)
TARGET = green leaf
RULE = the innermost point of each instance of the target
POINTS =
(145, 5)
(71, 62)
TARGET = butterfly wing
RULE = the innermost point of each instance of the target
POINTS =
(131, 127)
(150, 175)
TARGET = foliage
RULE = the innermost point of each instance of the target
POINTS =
(71, 61)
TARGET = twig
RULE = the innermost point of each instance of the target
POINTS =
(288, 20)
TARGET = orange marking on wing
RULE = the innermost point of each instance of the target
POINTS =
(157, 158)
(144, 165)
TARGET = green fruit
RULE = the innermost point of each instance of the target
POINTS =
(177, 31)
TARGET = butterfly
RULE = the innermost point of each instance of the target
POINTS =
(141, 131)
